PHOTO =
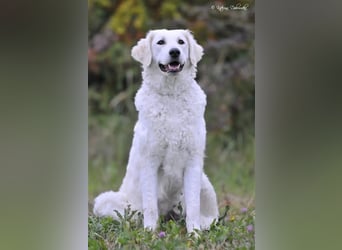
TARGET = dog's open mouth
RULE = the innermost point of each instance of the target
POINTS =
(172, 67)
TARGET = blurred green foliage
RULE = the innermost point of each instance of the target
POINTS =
(226, 74)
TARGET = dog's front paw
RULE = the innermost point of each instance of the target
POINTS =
(191, 226)
(195, 234)
(150, 223)
(193, 230)
(150, 219)
(150, 227)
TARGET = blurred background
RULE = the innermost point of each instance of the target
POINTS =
(225, 29)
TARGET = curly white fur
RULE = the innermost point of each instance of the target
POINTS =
(165, 164)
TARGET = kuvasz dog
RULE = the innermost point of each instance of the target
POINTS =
(165, 165)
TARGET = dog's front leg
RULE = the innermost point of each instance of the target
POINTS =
(148, 189)
(192, 189)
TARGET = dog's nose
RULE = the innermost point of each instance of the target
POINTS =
(174, 53)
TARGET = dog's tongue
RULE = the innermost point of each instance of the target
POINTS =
(173, 67)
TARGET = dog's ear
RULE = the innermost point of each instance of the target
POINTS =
(142, 51)
(195, 50)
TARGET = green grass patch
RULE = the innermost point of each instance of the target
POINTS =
(235, 230)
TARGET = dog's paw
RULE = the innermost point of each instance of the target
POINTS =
(150, 228)
(150, 225)
(192, 227)
(195, 234)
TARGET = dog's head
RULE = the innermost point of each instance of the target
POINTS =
(169, 50)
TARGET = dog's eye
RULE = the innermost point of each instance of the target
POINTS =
(180, 41)
(161, 42)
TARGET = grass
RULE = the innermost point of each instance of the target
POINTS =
(233, 231)
(229, 167)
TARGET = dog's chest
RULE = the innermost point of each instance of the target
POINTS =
(172, 117)
(175, 122)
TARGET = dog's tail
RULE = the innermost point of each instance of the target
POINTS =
(108, 202)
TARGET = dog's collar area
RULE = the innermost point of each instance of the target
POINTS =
(172, 67)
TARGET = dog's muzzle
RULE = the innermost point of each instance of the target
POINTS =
(172, 67)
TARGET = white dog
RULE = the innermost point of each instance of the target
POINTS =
(165, 164)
